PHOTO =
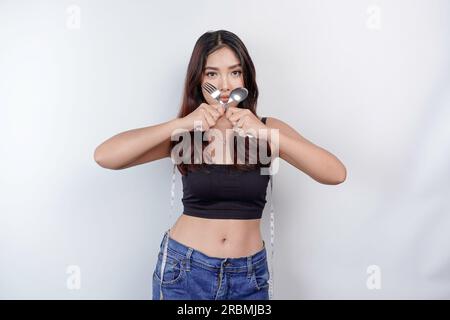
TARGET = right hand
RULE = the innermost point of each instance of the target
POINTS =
(205, 113)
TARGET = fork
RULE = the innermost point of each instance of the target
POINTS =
(213, 92)
(209, 91)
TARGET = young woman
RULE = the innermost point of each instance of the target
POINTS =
(215, 249)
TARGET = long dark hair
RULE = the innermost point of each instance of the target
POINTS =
(208, 43)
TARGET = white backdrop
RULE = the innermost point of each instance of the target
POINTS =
(367, 80)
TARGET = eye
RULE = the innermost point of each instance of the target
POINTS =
(209, 73)
(238, 73)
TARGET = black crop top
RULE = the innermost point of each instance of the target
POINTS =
(219, 191)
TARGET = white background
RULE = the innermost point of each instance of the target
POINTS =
(367, 80)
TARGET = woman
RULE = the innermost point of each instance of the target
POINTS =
(215, 249)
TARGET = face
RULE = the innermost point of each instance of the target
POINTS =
(224, 71)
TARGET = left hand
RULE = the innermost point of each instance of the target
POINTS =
(243, 120)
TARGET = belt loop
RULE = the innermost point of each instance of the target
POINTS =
(188, 259)
(249, 266)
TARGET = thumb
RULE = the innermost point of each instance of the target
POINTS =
(219, 107)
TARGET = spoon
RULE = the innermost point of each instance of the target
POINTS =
(238, 95)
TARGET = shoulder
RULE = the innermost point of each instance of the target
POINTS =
(275, 122)
(285, 128)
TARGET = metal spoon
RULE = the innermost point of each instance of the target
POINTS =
(238, 95)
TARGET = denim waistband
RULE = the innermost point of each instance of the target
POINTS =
(227, 264)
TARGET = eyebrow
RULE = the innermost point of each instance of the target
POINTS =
(231, 67)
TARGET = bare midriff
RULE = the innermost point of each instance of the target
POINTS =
(221, 238)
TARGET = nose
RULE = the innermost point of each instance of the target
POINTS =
(224, 86)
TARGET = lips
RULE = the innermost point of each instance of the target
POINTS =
(224, 98)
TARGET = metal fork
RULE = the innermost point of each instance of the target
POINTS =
(213, 92)
(211, 89)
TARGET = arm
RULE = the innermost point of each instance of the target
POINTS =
(316, 162)
(137, 146)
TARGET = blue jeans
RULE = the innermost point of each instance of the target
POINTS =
(192, 275)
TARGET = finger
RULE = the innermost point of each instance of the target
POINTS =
(236, 116)
(221, 109)
(240, 123)
(231, 111)
(213, 113)
(209, 119)
(213, 110)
